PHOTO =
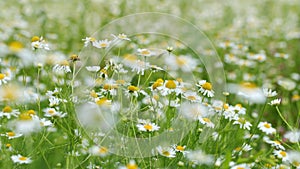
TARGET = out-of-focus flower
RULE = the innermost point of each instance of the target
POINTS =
(144, 125)
(166, 151)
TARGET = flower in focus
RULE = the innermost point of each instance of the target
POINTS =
(88, 40)
(266, 128)
(101, 43)
(243, 123)
(62, 67)
(39, 43)
(12, 135)
(21, 159)
(205, 88)
(7, 111)
(275, 102)
(281, 154)
(166, 151)
(143, 125)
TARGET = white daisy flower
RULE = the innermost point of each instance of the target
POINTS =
(21, 159)
(281, 154)
(266, 127)
(121, 36)
(243, 123)
(39, 43)
(144, 125)
(206, 121)
(101, 43)
(144, 52)
(191, 96)
(275, 144)
(293, 136)
(166, 151)
(205, 88)
(62, 67)
(198, 157)
(98, 151)
(293, 158)
(7, 111)
(11, 135)
(4, 78)
(52, 112)
(241, 166)
(269, 92)
(130, 165)
(275, 102)
(88, 40)
(281, 55)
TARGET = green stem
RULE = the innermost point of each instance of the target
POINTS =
(283, 119)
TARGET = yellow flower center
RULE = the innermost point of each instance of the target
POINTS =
(295, 97)
(131, 166)
(148, 127)
(15, 46)
(93, 94)
(7, 109)
(156, 84)
(296, 163)
(206, 120)
(283, 153)
(22, 158)
(10, 134)
(267, 125)
(181, 61)
(8, 145)
(64, 63)
(191, 97)
(103, 45)
(51, 111)
(225, 106)
(277, 142)
(102, 101)
(35, 38)
(92, 39)
(133, 88)
(207, 86)
(145, 52)
(180, 148)
(249, 85)
(109, 86)
(171, 84)
(31, 112)
(240, 168)
(25, 116)
(238, 149)
(103, 150)
(156, 97)
(166, 153)
(2, 76)
(242, 120)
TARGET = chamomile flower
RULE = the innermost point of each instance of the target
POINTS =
(205, 88)
(275, 102)
(266, 127)
(52, 112)
(130, 165)
(39, 43)
(191, 96)
(206, 121)
(166, 151)
(133, 90)
(144, 52)
(281, 55)
(62, 67)
(144, 125)
(21, 159)
(275, 144)
(194, 111)
(88, 40)
(169, 87)
(182, 62)
(99, 151)
(293, 158)
(179, 148)
(269, 92)
(7, 111)
(121, 36)
(139, 66)
(12, 135)
(102, 43)
(243, 123)
(4, 78)
(281, 154)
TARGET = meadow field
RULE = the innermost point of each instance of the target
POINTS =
(150, 84)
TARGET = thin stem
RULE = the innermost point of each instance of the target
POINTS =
(283, 119)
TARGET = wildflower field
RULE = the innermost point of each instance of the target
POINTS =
(149, 84)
